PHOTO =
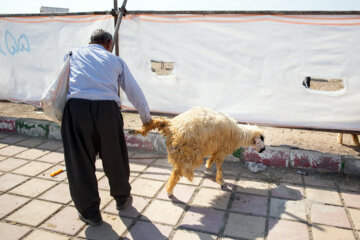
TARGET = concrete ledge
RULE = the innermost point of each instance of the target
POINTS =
(351, 165)
(274, 156)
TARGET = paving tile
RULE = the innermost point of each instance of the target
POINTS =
(318, 181)
(253, 187)
(11, 163)
(282, 229)
(146, 187)
(103, 183)
(52, 157)
(33, 187)
(2, 145)
(99, 175)
(2, 157)
(141, 161)
(137, 206)
(182, 193)
(164, 212)
(105, 197)
(211, 183)
(137, 168)
(32, 154)
(244, 203)
(184, 234)
(60, 150)
(11, 139)
(195, 182)
(50, 145)
(12, 232)
(99, 165)
(41, 234)
(59, 177)
(65, 221)
(34, 212)
(59, 193)
(148, 230)
(214, 198)
(11, 150)
(350, 186)
(156, 173)
(8, 181)
(352, 199)
(323, 196)
(203, 219)
(331, 233)
(9, 203)
(243, 226)
(33, 168)
(112, 228)
(31, 142)
(287, 191)
(329, 215)
(288, 209)
(291, 178)
(163, 162)
(355, 216)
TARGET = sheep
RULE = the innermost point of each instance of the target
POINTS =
(198, 133)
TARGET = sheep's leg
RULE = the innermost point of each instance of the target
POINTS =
(219, 174)
(355, 139)
(209, 163)
(173, 180)
(340, 138)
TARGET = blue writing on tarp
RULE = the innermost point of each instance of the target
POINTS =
(12, 45)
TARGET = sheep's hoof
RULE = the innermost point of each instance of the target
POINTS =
(208, 172)
(225, 187)
(170, 194)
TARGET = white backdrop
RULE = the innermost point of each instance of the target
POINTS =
(33, 48)
(249, 66)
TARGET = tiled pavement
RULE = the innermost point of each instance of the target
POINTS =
(275, 204)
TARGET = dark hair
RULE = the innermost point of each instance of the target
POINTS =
(100, 36)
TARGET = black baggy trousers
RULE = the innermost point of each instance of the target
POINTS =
(90, 128)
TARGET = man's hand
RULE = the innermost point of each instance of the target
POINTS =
(133, 132)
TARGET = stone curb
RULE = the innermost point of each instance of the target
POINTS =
(273, 156)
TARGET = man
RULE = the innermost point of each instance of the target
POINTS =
(92, 124)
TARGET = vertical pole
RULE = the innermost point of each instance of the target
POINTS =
(115, 21)
(117, 26)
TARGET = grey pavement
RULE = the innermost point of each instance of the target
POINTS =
(274, 204)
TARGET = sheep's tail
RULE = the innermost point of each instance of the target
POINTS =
(155, 123)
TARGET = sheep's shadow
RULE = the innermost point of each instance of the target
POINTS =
(247, 211)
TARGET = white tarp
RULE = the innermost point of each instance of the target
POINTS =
(249, 66)
(33, 48)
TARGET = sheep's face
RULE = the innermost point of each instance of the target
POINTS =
(258, 143)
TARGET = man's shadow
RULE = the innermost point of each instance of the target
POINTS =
(136, 230)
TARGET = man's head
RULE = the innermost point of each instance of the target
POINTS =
(100, 36)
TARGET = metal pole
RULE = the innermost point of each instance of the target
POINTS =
(116, 14)
(115, 36)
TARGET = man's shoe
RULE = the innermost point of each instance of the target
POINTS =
(93, 222)
(124, 204)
